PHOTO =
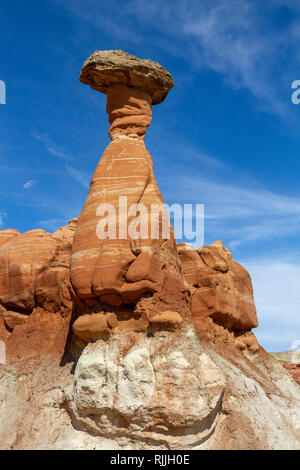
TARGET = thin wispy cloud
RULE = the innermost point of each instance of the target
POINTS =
(29, 184)
(51, 225)
(192, 154)
(51, 147)
(244, 212)
(277, 297)
(229, 201)
(2, 216)
(237, 39)
(82, 178)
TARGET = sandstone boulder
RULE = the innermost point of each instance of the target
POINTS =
(20, 261)
(105, 68)
(167, 317)
(13, 319)
(53, 290)
(155, 388)
(212, 257)
(66, 233)
(220, 287)
(92, 326)
(247, 341)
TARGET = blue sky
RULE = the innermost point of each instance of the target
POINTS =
(226, 136)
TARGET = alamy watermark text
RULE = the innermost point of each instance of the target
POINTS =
(2, 92)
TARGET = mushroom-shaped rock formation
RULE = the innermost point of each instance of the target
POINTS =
(105, 68)
(137, 262)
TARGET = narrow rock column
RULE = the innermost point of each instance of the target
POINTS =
(122, 271)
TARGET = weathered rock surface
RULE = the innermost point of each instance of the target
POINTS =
(53, 289)
(13, 319)
(105, 68)
(66, 233)
(293, 369)
(220, 287)
(92, 326)
(136, 387)
(20, 260)
(7, 235)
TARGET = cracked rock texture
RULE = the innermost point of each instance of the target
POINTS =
(220, 287)
(105, 68)
(163, 388)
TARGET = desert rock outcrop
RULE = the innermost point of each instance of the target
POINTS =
(133, 342)
(220, 287)
(7, 235)
(66, 233)
(293, 369)
(20, 260)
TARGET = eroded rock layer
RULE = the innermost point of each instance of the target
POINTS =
(171, 390)
(20, 260)
(7, 235)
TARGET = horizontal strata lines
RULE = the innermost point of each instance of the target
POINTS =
(132, 158)
(110, 248)
(115, 177)
(130, 140)
(125, 169)
(91, 268)
(114, 248)
(104, 192)
(88, 253)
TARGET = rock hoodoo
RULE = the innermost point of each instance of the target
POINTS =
(121, 272)
(112, 338)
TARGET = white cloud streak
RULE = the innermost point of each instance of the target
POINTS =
(238, 39)
(2, 216)
(54, 149)
(245, 213)
(82, 178)
(29, 184)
